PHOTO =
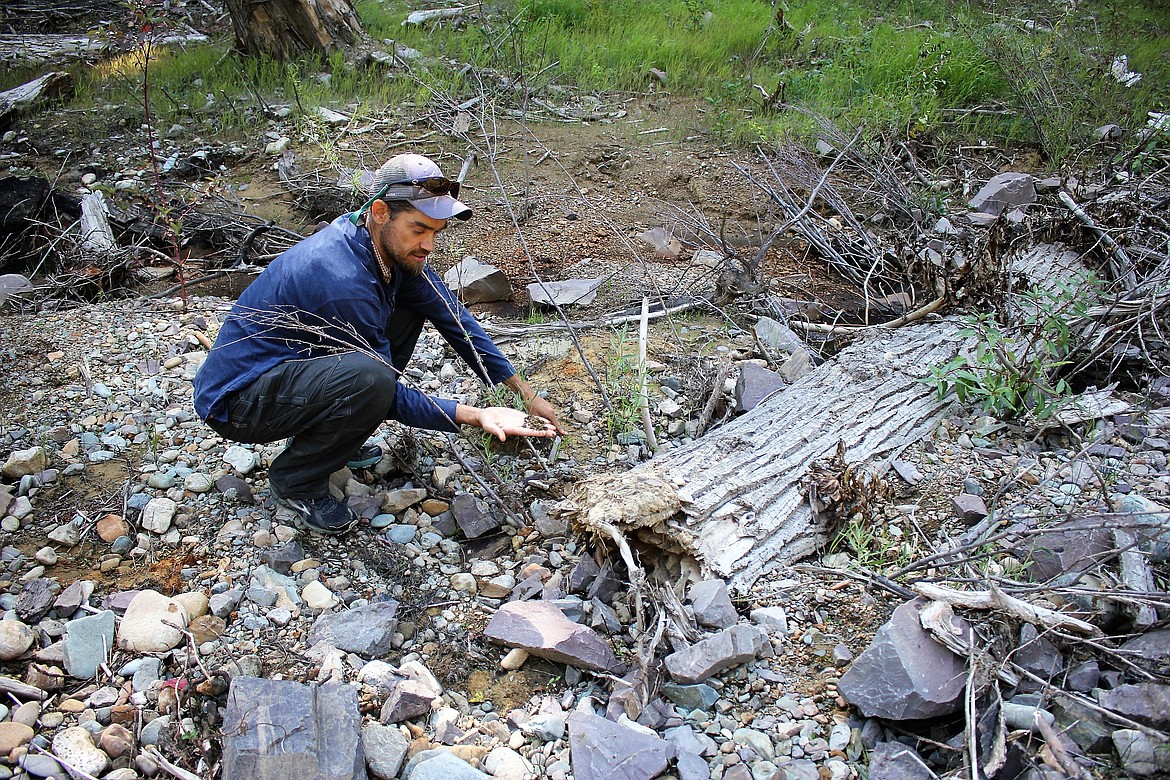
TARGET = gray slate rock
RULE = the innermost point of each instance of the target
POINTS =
(549, 525)
(36, 598)
(1003, 192)
(895, 761)
(1151, 650)
(473, 516)
(73, 597)
(441, 765)
(408, 699)
(567, 292)
(1147, 703)
(364, 630)
(712, 604)
(281, 559)
(543, 630)
(691, 697)
(1084, 726)
(1083, 677)
(478, 282)
(799, 363)
(13, 284)
(222, 604)
(778, 336)
(603, 750)
(969, 508)
(730, 647)
(385, 748)
(1141, 754)
(904, 674)
(87, 644)
(773, 619)
(283, 729)
(755, 383)
(1038, 655)
(689, 750)
(1077, 546)
(230, 482)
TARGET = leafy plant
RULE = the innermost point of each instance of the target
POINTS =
(623, 384)
(1014, 367)
(874, 547)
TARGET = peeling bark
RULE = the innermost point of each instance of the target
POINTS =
(284, 29)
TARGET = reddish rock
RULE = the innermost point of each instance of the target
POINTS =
(111, 527)
(543, 630)
(117, 741)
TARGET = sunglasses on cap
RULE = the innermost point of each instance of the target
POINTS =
(433, 186)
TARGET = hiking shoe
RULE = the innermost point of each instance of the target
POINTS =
(368, 455)
(325, 515)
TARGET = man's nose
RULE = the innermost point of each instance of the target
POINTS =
(428, 243)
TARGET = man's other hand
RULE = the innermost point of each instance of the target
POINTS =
(540, 407)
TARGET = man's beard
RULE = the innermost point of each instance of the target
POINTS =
(412, 266)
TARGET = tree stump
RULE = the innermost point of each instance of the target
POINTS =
(284, 29)
(736, 500)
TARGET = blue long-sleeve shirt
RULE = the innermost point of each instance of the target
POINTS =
(325, 295)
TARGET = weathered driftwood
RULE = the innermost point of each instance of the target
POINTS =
(20, 690)
(736, 499)
(51, 48)
(97, 236)
(24, 96)
(995, 599)
(416, 18)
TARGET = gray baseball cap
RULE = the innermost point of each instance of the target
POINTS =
(418, 180)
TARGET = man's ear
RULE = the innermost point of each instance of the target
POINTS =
(379, 210)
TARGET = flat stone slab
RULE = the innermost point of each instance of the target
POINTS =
(730, 647)
(283, 729)
(363, 630)
(543, 630)
(1147, 703)
(604, 750)
(1004, 191)
(712, 604)
(756, 383)
(567, 292)
(88, 643)
(895, 761)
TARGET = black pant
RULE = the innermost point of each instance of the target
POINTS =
(327, 407)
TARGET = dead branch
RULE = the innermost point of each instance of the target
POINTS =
(996, 599)
(28, 94)
(643, 402)
(21, 690)
(1123, 269)
(1063, 761)
(713, 399)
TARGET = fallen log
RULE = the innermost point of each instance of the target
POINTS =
(27, 94)
(29, 48)
(735, 500)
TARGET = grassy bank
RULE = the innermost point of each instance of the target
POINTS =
(1037, 73)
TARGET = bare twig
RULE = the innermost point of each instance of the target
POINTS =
(643, 402)
(994, 598)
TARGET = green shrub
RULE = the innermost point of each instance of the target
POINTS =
(1014, 367)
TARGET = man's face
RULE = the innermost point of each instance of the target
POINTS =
(408, 238)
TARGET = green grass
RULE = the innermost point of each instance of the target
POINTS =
(910, 69)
